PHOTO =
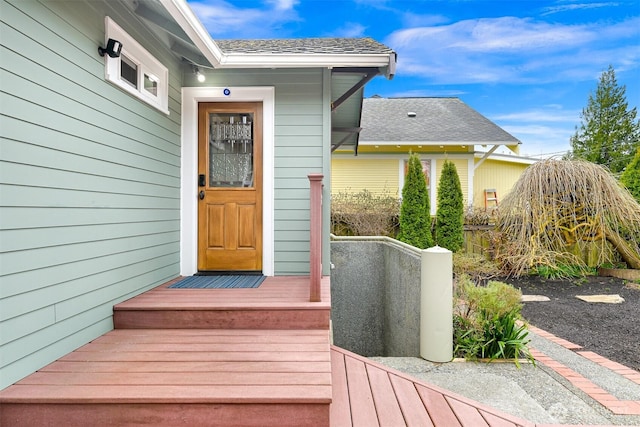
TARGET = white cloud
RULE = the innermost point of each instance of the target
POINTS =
(540, 140)
(223, 18)
(418, 20)
(537, 116)
(420, 93)
(513, 50)
(350, 29)
(577, 6)
(544, 130)
(283, 4)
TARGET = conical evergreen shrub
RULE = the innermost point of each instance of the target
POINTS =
(449, 229)
(415, 217)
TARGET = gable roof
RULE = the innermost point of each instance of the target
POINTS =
(192, 37)
(428, 121)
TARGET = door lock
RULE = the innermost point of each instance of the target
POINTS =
(202, 180)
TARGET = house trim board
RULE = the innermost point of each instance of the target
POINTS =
(191, 96)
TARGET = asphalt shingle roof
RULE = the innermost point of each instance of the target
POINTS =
(330, 46)
(436, 120)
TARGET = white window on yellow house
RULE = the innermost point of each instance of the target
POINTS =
(426, 170)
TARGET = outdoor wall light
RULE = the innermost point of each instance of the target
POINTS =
(198, 74)
(113, 49)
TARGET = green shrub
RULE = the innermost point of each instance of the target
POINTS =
(415, 217)
(364, 214)
(485, 321)
(449, 230)
(477, 267)
(562, 271)
(630, 178)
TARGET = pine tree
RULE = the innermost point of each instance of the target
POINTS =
(450, 214)
(631, 176)
(609, 133)
(415, 217)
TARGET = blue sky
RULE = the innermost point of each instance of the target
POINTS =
(529, 66)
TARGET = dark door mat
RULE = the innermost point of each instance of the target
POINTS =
(219, 282)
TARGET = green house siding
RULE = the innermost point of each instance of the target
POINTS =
(300, 149)
(89, 181)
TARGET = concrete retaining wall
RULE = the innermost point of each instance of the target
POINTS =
(375, 294)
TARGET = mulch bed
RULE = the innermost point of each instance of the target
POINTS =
(610, 330)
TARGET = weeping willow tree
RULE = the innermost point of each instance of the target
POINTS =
(560, 207)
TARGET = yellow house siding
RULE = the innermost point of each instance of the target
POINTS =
(355, 175)
(462, 167)
(498, 175)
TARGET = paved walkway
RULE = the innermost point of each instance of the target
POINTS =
(567, 386)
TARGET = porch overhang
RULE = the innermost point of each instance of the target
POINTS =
(189, 39)
(190, 26)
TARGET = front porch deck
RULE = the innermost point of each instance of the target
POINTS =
(258, 362)
(280, 302)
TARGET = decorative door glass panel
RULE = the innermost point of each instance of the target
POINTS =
(231, 150)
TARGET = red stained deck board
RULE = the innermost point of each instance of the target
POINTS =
(439, 410)
(468, 414)
(186, 356)
(496, 421)
(233, 394)
(363, 410)
(222, 319)
(167, 415)
(387, 406)
(340, 406)
(186, 337)
(188, 366)
(415, 414)
(215, 335)
(219, 347)
(213, 378)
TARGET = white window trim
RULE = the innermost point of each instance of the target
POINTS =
(432, 180)
(191, 96)
(147, 64)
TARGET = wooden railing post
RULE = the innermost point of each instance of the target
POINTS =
(315, 239)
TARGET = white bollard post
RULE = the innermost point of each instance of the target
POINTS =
(436, 306)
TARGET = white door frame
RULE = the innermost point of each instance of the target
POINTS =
(191, 96)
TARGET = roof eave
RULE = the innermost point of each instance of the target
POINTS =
(298, 60)
(438, 143)
(189, 22)
(191, 25)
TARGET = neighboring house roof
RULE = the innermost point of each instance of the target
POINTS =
(427, 121)
(507, 158)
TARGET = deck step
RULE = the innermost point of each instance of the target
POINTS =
(169, 377)
(279, 303)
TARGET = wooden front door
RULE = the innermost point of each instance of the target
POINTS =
(230, 186)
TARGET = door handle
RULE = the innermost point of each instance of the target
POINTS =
(201, 195)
